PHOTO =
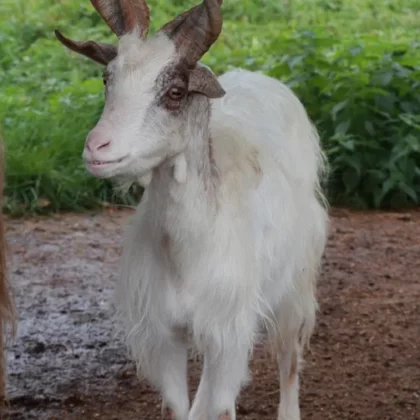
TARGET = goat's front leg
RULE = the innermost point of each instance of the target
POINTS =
(224, 372)
(166, 369)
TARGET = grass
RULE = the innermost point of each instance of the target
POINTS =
(355, 66)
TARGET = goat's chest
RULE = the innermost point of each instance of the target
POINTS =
(207, 279)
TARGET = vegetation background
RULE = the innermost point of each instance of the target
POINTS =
(354, 64)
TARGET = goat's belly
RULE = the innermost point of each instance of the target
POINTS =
(211, 318)
(219, 296)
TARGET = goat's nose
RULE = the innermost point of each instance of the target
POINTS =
(97, 141)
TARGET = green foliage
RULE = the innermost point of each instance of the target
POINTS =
(365, 100)
(355, 66)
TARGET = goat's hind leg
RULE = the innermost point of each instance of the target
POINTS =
(292, 332)
(293, 326)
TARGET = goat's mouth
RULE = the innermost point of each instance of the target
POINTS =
(104, 162)
(97, 167)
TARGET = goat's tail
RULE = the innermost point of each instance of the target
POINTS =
(7, 310)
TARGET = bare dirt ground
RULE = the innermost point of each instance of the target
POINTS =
(364, 362)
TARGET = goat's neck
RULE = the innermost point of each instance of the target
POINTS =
(199, 153)
(183, 189)
(193, 168)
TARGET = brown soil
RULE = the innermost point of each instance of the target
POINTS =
(364, 362)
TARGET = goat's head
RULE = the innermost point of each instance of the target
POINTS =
(150, 84)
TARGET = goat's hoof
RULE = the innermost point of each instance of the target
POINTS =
(168, 414)
(224, 416)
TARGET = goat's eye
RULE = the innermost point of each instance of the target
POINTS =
(176, 93)
(105, 81)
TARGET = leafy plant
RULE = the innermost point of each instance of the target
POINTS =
(355, 66)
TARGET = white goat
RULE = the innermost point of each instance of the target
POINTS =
(229, 235)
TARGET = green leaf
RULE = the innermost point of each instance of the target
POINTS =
(409, 191)
(387, 186)
(342, 128)
(350, 180)
(383, 78)
(370, 128)
(337, 108)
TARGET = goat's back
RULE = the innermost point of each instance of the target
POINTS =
(265, 114)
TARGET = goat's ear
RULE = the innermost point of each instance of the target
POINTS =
(96, 51)
(203, 80)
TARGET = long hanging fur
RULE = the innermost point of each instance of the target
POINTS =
(7, 311)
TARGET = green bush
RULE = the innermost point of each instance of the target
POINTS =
(355, 66)
(365, 99)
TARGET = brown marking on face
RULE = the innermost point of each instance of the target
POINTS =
(177, 75)
(173, 76)
(225, 416)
